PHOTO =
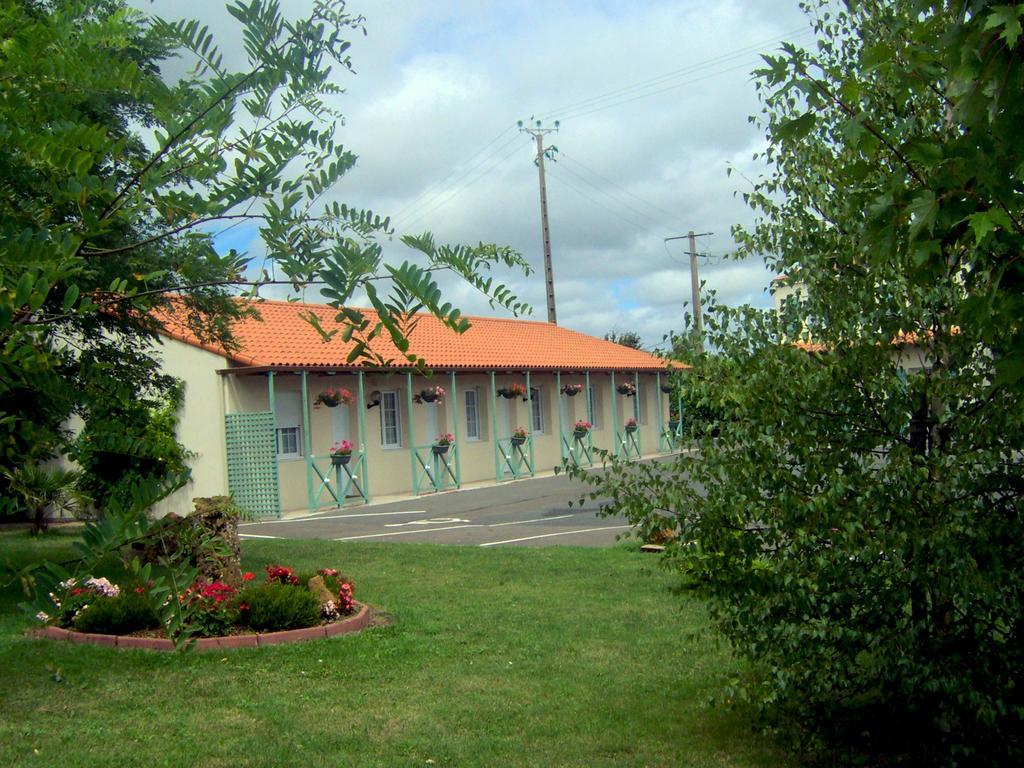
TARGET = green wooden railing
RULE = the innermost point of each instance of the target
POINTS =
(514, 457)
(434, 471)
(336, 485)
(578, 450)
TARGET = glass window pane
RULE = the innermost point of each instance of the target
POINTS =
(472, 415)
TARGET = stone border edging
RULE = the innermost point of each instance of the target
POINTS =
(351, 624)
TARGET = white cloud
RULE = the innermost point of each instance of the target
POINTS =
(437, 81)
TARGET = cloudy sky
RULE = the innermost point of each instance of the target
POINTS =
(652, 98)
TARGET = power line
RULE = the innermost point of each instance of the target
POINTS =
(564, 156)
(647, 95)
(451, 195)
(610, 196)
(667, 77)
(426, 198)
(639, 227)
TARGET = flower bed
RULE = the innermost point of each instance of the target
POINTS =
(357, 621)
(285, 607)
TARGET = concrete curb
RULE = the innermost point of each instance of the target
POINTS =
(354, 623)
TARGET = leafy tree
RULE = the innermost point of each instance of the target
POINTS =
(857, 523)
(115, 181)
(629, 339)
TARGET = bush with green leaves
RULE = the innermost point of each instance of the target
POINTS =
(858, 523)
(274, 607)
(129, 612)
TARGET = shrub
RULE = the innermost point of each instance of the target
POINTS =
(273, 607)
(121, 615)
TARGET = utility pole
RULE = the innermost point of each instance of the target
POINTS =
(698, 321)
(538, 132)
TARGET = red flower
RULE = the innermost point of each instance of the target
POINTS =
(247, 576)
(281, 574)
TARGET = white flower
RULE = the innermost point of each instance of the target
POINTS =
(43, 617)
(104, 587)
(330, 609)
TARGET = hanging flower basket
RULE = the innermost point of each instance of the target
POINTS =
(581, 428)
(667, 388)
(332, 398)
(519, 435)
(341, 453)
(673, 424)
(571, 390)
(626, 389)
(631, 425)
(513, 391)
(429, 395)
(442, 443)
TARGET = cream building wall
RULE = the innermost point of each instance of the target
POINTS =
(200, 423)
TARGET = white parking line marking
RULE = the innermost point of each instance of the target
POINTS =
(403, 533)
(256, 536)
(534, 520)
(335, 517)
(428, 521)
(560, 533)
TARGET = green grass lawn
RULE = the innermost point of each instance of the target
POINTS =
(493, 657)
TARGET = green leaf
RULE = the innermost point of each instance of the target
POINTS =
(70, 297)
(1007, 17)
(795, 129)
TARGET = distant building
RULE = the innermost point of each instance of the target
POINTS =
(261, 420)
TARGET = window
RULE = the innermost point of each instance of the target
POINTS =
(536, 411)
(472, 414)
(592, 407)
(288, 420)
(390, 423)
(289, 442)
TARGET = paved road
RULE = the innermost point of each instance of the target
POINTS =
(533, 512)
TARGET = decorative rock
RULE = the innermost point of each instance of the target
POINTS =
(319, 588)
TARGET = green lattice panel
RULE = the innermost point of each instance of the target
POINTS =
(252, 462)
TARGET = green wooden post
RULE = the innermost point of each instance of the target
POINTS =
(661, 420)
(590, 405)
(455, 433)
(412, 433)
(529, 393)
(308, 441)
(561, 428)
(679, 428)
(494, 429)
(615, 416)
(636, 412)
(361, 408)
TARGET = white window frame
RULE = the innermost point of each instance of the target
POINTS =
(471, 397)
(536, 410)
(384, 443)
(288, 418)
(279, 434)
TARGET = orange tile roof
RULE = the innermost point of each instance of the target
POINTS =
(282, 338)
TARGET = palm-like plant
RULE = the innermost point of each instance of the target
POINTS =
(41, 488)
